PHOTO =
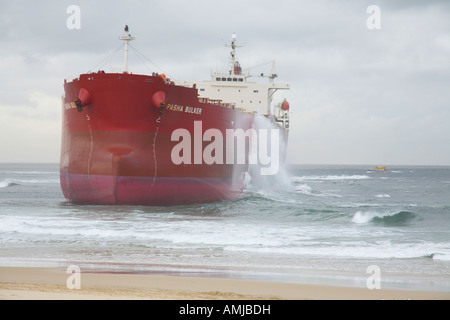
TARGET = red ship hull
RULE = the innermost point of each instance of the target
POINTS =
(118, 145)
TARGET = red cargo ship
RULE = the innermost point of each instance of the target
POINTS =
(146, 140)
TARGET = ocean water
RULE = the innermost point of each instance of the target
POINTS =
(313, 224)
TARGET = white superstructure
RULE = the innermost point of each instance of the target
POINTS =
(233, 87)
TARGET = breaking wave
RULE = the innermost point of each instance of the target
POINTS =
(386, 218)
(305, 189)
(383, 196)
(7, 183)
(330, 177)
(15, 182)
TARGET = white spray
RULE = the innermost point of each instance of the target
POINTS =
(275, 150)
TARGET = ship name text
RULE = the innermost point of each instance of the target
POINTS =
(186, 109)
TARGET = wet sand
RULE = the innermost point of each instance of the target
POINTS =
(29, 283)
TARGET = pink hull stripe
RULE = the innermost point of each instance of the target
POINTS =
(99, 189)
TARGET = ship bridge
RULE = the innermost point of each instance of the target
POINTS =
(234, 87)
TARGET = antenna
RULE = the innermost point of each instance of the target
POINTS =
(233, 46)
(126, 38)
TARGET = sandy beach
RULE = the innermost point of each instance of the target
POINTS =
(29, 283)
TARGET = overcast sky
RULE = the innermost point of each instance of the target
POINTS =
(358, 95)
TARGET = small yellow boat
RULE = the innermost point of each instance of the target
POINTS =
(379, 168)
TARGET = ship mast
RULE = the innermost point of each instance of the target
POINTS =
(233, 46)
(126, 38)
